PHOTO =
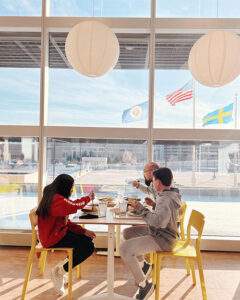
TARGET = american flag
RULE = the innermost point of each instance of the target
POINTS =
(184, 93)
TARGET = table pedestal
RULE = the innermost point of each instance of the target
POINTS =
(110, 295)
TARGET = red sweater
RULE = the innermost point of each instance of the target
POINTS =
(53, 228)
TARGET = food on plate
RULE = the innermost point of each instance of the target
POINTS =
(134, 213)
(109, 199)
(130, 199)
(90, 209)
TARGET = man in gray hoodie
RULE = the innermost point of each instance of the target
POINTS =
(159, 235)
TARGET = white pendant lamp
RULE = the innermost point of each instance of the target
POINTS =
(214, 59)
(92, 48)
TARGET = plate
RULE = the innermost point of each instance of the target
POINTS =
(93, 209)
(133, 214)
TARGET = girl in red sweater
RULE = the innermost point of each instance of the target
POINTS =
(56, 230)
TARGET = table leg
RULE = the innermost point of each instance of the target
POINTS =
(118, 237)
(110, 295)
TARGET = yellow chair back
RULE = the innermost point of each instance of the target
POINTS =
(183, 209)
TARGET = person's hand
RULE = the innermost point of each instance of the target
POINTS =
(135, 184)
(90, 234)
(91, 195)
(150, 202)
(134, 203)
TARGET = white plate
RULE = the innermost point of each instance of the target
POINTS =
(132, 214)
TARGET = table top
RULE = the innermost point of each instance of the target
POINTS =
(110, 219)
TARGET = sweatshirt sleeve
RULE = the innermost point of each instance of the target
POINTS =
(159, 218)
(144, 189)
(62, 206)
(75, 228)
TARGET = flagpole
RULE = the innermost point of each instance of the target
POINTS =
(193, 146)
(235, 150)
(236, 100)
(194, 109)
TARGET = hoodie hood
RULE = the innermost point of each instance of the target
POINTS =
(173, 195)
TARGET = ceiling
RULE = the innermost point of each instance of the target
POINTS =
(23, 50)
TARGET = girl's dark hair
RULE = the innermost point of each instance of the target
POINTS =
(61, 185)
(164, 175)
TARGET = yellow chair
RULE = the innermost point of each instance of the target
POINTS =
(186, 250)
(43, 256)
(35, 249)
(183, 209)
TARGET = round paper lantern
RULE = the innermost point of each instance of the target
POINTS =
(92, 48)
(214, 59)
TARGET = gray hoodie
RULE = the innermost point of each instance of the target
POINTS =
(162, 221)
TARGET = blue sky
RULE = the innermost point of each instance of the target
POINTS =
(124, 8)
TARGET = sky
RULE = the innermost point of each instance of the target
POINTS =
(76, 100)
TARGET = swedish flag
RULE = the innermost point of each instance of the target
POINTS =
(136, 113)
(219, 116)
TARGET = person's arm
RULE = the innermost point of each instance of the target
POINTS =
(75, 228)
(159, 218)
(62, 206)
(143, 188)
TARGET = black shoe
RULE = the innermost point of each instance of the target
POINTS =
(144, 293)
(147, 269)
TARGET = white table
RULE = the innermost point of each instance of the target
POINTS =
(111, 222)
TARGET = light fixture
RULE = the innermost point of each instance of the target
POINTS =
(92, 48)
(214, 59)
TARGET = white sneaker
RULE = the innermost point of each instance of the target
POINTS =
(65, 278)
(57, 280)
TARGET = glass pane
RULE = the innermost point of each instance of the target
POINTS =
(18, 181)
(101, 8)
(20, 7)
(207, 175)
(176, 91)
(20, 78)
(112, 100)
(105, 166)
(228, 9)
(187, 9)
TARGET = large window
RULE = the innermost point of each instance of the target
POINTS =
(20, 7)
(77, 100)
(198, 9)
(20, 78)
(101, 8)
(18, 180)
(103, 130)
(206, 174)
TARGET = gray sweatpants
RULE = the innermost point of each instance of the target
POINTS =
(138, 242)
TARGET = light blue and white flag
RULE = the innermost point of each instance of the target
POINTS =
(138, 112)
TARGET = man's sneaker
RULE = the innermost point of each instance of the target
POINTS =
(144, 293)
(57, 280)
(147, 269)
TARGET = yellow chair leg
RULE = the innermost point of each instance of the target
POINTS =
(193, 272)
(151, 260)
(203, 286)
(158, 267)
(187, 266)
(70, 263)
(28, 273)
(154, 267)
(40, 260)
(79, 273)
(43, 262)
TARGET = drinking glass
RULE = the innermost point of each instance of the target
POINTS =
(102, 208)
(123, 208)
